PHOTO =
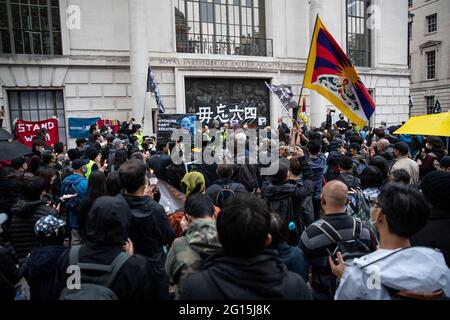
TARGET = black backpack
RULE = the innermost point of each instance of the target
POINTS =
(94, 288)
(284, 207)
(223, 195)
(350, 249)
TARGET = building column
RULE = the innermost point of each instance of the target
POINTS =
(317, 108)
(137, 16)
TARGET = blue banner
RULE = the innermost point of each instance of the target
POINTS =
(79, 127)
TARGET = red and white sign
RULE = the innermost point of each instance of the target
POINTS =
(27, 130)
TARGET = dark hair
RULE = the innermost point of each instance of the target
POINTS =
(278, 229)
(401, 175)
(132, 174)
(371, 178)
(313, 135)
(33, 163)
(58, 147)
(47, 174)
(92, 128)
(120, 158)
(32, 189)
(18, 162)
(113, 184)
(137, 156)
(80, 141)
(91, 153)
(74, 154)
(380, 163)
(356, 138)
(314, 147)
(355, 146)
(405, 208)
(282, 173)
(295, 166)
(437, 146)
(345, 162)
(402, 147)
(243, 226)
(46, 157)
(96, 186)
(379, 132)
(199, 206)
(225, 170)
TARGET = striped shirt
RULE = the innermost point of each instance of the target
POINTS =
(314, 244)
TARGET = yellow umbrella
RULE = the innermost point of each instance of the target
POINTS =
(429, 125)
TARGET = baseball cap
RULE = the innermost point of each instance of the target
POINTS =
(48, 226)
(78, 163)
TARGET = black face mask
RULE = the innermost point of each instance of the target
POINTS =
(342, 118)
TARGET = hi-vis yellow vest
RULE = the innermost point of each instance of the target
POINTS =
(89, 168)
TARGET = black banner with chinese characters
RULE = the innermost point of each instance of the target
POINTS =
(231, 101)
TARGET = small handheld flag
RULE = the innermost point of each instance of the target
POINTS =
(330, 73)
(153, 87)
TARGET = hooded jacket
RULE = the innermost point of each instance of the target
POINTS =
(150, 229)
(188, 253)
(24, 215)
(317, 165)
(261, 277)
(416, 269)
(293, 258)
(11, 189)
(80, 185)
(107, 231)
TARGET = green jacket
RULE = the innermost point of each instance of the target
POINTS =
(189, 252)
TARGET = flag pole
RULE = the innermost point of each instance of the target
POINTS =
(307, 60)
(284, 108)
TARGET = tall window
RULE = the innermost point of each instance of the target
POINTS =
(30, 27)
(235, 27)
(38, 105)
(410, 3)
(432, 23)
(358, 34)
(431, 65)
(430, 104)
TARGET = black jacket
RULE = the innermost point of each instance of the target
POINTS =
(350, 180)
(107, 231)
(24, 216)
(41, 271)
(150, 229)
(159, 163)
(8, 264)
(436, 233)
(11, 189)
(298, 191)
(260, 277)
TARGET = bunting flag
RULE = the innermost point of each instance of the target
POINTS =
(152, 86)
(303, 105)
(330, 73)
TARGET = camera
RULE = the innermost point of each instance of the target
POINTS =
(288, 150)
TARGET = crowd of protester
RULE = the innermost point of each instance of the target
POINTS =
(346, 205)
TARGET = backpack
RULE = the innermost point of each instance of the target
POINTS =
(248, 178)
(358, 205)
(72, 204)
(350, 249)
(295, 220)
(94, 288)
(223, 195)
